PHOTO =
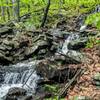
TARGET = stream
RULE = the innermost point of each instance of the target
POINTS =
(19, 75)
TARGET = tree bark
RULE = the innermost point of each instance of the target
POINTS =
(45, 14)
(18, 10)
(3, 11)
(8, 12)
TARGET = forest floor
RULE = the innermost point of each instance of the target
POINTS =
(85, 85)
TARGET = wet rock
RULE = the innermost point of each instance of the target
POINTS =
(78, 43)
(11, 98)
(16, 91)
(78, 56)
(66, 58)
(83, 28)
(57, 33)
(28, 98)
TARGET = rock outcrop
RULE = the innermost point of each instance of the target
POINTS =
(15, 47)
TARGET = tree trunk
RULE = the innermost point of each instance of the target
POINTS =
(14, 8)
(3, 11)
(8, 12)
(45, 14)
(18, 10)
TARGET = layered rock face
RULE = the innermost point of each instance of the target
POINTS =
(17, 46)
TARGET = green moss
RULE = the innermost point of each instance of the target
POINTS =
(54, 89)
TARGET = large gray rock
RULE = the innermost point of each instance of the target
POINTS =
(77, 56)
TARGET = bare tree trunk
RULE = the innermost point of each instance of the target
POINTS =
(14, 8)
(3, 11)
(45, 14)
(18, 10)
(8, 12)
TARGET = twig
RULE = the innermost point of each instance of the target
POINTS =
(27, 79)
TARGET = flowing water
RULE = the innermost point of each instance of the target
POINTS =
(18, 75)
(71, 37)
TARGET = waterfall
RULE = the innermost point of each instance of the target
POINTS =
(71, 37)
(18, 75)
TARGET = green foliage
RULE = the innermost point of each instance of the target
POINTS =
(92, 41)
(81, 98)
(51, 88)
(36, 8)
(93, 19)
(54, 90)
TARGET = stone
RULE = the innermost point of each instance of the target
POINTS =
(81, 98)
(77, 43)
(77, 56)
(83, 28)
(2, 48)
(96, 79)
(43, 95)
(10, 98)
(15, 91)
(5, 30)
(28, 98)
(4, 59)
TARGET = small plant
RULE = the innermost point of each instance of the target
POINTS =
(92, 41)
(93, 19)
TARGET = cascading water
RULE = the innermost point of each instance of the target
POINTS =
(19, 75)
(71, 37)
(73, 54)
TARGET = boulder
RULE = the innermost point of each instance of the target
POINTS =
(14, 93)
(77, 56)
(77, 43)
